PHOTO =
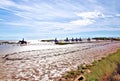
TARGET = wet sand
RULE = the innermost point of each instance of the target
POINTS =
(50, 64)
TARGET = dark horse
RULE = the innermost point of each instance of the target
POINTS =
(22, 41)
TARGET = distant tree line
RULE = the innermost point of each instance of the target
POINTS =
(106, 38)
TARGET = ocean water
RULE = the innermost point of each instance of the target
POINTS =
(49, 61)
(14, 48)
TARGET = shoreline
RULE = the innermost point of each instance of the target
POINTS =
(105, 69)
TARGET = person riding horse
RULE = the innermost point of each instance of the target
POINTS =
(22, 41)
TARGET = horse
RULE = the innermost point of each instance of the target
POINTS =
(22, 42)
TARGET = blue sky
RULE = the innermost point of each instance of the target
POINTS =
(40, 19)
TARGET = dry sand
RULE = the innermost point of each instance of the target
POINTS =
(50, 64)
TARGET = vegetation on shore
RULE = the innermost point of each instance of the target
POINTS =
(63, 43)
(106, 69)
(106, 38)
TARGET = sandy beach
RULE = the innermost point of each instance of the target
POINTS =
(49, 62)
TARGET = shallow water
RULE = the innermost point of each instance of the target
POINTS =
(47, 61)
(12, 48)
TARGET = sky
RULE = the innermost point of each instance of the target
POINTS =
(46, 19)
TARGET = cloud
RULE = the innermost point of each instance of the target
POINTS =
(18, 24)
(87, 18)
(1, 19)
(82, 22)
(6, 3)
(118, 15)
(58, 16)
(86, 15)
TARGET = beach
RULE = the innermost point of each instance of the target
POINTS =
(48, 62)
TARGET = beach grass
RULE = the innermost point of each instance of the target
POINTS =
(100, 70)
(104, 68)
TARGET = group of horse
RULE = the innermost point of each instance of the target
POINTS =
(73, 40)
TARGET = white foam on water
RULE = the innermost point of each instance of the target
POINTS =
(8, 49)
